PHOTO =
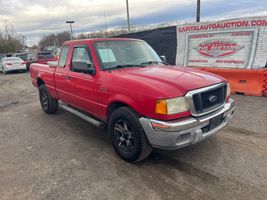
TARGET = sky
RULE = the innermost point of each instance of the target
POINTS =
(35, 18)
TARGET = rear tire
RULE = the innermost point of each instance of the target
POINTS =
(127, 135)
(48, 103)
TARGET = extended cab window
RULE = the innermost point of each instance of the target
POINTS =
(63, 56)
(81, 58)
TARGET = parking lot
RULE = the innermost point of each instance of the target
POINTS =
(62, 157)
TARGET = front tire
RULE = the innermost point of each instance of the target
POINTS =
(48, 103)
(127, 135)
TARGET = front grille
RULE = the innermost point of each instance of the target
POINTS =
(208, 100)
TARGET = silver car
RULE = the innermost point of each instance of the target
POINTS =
(12, 64)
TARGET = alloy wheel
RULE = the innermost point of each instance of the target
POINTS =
(44, 99)
(124, 136)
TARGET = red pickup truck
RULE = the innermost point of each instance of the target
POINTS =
(145, 103)
(43, 57)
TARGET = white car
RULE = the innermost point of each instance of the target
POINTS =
(12, 64)
(2, 56)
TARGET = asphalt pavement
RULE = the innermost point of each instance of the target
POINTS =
(60, 156)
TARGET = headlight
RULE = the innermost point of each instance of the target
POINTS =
(228, 90)
(171, 106)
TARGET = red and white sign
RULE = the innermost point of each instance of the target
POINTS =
(236, 43)
(231, 49)
(218, 48)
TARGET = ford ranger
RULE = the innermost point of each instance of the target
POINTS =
(143, 101)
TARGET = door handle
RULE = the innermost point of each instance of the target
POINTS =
(67, 77)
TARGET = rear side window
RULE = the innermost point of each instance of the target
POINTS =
(81, 54)
(63, 56)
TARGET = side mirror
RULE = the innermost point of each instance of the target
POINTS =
(82, 67)
(164, 59)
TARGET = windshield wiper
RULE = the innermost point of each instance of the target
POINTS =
(125, 66)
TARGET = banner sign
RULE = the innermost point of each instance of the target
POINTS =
(238, 43)
(220, 49)
(224, 25)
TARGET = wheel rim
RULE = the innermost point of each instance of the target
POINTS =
(124, 136)
(44, 99)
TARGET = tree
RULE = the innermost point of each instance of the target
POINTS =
(82, 36)
(9, 41)
(54, 39)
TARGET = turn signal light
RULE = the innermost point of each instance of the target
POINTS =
(161, 107)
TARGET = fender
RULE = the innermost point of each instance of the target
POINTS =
(120, 98)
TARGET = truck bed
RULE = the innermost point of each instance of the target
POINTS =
(47, 74)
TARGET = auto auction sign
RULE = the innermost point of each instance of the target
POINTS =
(231, 49)
(231, 44)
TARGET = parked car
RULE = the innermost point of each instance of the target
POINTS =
(43, 57)
(31, 56)
(28, 58)
(12, 64)
(2, 56)
(9, 54)
(145, 103)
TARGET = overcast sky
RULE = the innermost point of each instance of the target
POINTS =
(34, 18)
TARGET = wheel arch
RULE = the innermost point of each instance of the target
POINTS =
(114, 106)
(40, 82)
(118, 103)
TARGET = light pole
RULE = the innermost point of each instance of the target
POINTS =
(24, 38)
(128, 16)
(198, 11)
(71, 34)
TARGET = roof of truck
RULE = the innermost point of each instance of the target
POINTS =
(99, 39)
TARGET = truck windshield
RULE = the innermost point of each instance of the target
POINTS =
(125, 53)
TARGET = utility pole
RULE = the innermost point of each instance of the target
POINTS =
(105, 24)
(24, 38)
(71, 34)
(198, 11)
(128, 16)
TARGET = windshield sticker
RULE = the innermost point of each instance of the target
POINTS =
(102, 44)
(107, 55)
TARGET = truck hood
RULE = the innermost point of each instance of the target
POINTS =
(173, 80)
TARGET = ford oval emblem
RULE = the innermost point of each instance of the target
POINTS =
(213, 99)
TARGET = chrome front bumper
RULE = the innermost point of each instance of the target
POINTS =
(177, 134)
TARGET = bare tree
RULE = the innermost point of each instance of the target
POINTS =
(9, 41)
(54, 39)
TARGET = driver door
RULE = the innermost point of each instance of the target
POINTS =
(85, 84)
